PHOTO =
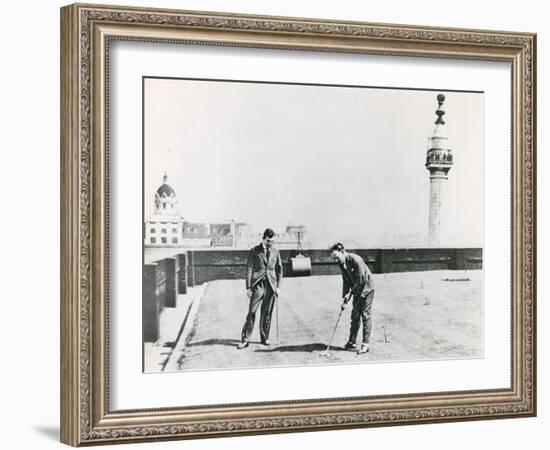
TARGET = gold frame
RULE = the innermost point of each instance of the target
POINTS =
(86, 31)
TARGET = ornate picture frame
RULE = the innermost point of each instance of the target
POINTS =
(87, 31)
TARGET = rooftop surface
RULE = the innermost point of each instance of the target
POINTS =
(416, 316)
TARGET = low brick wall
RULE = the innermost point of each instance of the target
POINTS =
(166, 280)
(159, 291)
(150, 305)
(211, 265)
(181, 273)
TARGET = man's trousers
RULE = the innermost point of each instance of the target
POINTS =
(361, 312)
(263, 294)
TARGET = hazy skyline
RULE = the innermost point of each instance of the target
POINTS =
(342, 161)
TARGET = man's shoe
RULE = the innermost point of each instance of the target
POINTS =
(363, 349)
(243, 344)
(266, 343)
(350, 346)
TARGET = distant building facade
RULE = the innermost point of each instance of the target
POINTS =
(294, 237)
(195, 234)
(165, 227)
(245, 235)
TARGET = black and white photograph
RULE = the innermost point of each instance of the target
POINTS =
(291, 224)
(266, 225)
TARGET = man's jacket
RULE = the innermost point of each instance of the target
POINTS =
(258, 267)
(357, 276)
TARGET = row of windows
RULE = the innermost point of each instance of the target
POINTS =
(192, 230)
(164, 240)
(175, 230)
(163, 230)
(223, 232)
(185, 230)
(164, 206)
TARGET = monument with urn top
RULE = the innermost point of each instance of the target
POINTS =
(439, 160)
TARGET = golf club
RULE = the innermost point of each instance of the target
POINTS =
(326, 352)
(277, 315)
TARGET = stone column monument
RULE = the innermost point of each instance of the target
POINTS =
(439, 161)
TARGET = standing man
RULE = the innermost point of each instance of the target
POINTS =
(264, 272)
(359, 284)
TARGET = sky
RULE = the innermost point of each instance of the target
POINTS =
(347, 162)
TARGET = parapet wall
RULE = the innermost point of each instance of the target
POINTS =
(211, 265)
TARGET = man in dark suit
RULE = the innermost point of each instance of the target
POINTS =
(359, 284)
(264, 272)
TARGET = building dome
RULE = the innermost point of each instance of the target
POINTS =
(165, 199)
(165, 188)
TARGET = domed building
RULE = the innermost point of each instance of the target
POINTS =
(165, 199)
(164, 226)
